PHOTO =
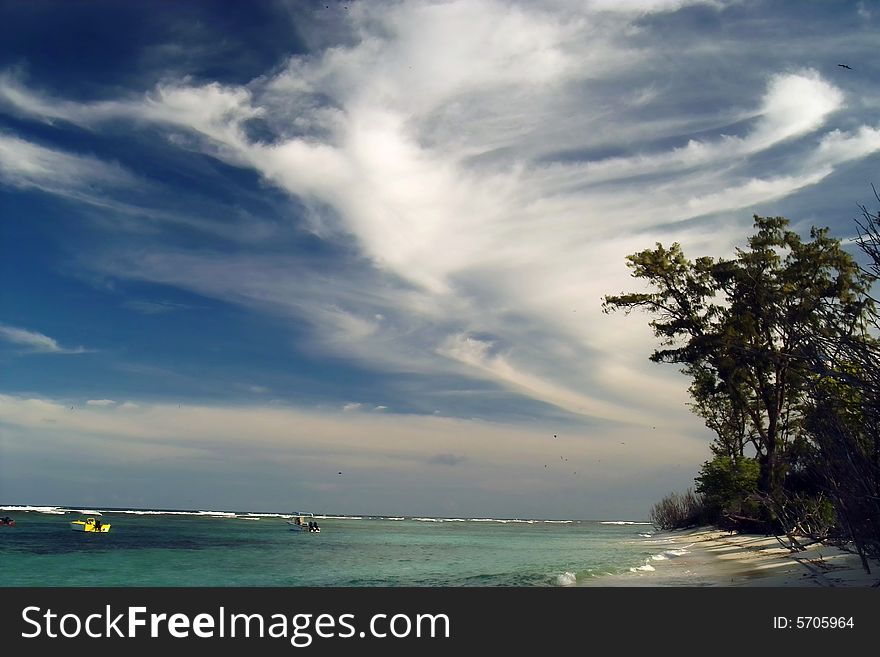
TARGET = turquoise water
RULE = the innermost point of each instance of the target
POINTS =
(200, 550)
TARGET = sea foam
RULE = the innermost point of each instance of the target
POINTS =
(647, 568)
(252, 515)
(53, 510)
(679, 552)
(567, 578)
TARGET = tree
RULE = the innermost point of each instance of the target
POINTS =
(869, 238)
(726, 484)
(719, 408)
(742, 327)
(843, 420)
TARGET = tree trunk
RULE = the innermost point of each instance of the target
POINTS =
(768, 483)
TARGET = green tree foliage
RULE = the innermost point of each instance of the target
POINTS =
(842, 423)
(741, 328)
(780, 343)
(727, 485)
(721, 411)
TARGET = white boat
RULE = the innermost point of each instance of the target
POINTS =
(299, 523)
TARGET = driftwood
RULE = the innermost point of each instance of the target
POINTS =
(745, 524)
(794, 544)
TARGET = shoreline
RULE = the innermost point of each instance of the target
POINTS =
(707, 556)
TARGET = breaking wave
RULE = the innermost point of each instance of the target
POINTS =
(567, 578)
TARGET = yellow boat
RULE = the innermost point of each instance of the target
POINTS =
(90, 525)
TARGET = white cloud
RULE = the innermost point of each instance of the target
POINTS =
(795, 104)
(388, 460)
(35, 342)
(837, 146)
(493, 163)
(211, 109)
(752, 192)
(25, 164)
(100, 402)
(351, 407)
(288, 432)
(474, 240)
(648, 6)
(497, 367)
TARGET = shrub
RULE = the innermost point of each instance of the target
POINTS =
(679, 510)
(727, 484)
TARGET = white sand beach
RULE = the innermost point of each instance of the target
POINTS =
(711, 557)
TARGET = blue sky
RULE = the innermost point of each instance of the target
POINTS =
(249, 246)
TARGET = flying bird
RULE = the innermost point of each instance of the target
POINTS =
(845, 66)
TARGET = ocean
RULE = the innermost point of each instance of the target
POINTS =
(215, 548)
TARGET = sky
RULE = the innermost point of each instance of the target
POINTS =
(350, 257)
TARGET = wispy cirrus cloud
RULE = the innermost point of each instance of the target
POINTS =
(29, 165)
(149, 307)
(211, 109)
(489, 195)
(35, 342)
